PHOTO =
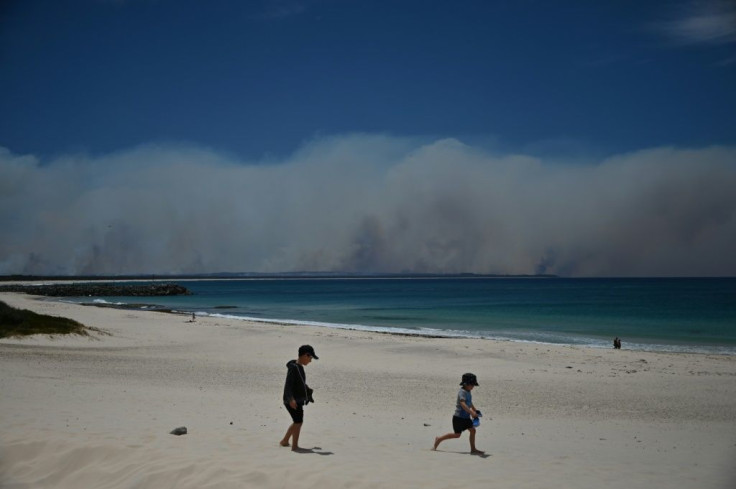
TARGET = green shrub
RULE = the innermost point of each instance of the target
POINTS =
(22, 322)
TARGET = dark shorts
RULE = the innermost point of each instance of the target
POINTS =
(461, 424)
(297, 415)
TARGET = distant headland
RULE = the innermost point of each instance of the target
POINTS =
(255, 275)
(160, 285)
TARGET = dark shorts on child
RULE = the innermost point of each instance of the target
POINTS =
(297, 415)
(461, 424)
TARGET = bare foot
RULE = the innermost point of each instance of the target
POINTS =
(477, 452)
(284, 443)
(436, 443)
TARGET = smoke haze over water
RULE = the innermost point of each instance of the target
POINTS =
(368, 203)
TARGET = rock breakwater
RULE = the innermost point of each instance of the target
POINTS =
(98, 290)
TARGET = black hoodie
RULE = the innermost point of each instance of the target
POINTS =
(295, 386)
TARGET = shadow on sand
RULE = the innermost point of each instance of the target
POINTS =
(315, 450)
(479, 455)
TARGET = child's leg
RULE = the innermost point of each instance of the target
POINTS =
(442, 438)
(472, 442)
(295, 436)
(297, 417)
(285, 441)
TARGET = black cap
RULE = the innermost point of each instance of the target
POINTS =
(469, 379)
(308, 350)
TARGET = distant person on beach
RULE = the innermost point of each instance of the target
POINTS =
(297, 394)
(465, 413)
(617, 343)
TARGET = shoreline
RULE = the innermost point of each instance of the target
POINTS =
(100, 409)
(639, 346)
(630, 346)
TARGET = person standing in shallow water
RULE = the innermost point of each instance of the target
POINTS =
(465, 413)
(297, 394)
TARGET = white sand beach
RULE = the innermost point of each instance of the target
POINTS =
(96, 412)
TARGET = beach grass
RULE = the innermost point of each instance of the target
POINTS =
(22, 322)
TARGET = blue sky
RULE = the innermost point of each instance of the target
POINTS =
(261, 77)
(580, 138)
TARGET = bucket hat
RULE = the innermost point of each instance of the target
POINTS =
(469, 379)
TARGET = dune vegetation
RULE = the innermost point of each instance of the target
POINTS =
(22, 322)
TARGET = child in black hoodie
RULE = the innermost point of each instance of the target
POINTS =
(297, 394)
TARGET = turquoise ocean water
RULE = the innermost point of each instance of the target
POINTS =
(661, 314)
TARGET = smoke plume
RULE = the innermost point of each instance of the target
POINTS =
(369, 203)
